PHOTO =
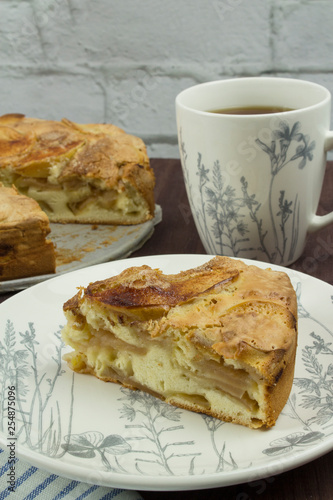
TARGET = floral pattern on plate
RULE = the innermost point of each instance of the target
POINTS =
(82, 423)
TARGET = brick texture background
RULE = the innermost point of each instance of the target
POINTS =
(124, 61)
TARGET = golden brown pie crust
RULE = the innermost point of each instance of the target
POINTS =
(222, 317)
(24, 249)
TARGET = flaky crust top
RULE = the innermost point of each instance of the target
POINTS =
(18, 210)
(241, 312)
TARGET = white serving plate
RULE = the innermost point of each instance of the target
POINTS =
(128, 439)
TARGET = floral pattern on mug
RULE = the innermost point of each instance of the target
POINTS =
(223, 208)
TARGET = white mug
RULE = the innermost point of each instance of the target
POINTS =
(254, 180)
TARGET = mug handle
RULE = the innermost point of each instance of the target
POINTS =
(321, 221)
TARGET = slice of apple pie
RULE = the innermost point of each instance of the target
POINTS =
(24, 249)
(91, 173)
(218, 339)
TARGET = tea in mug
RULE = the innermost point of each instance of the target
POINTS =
(251, 110)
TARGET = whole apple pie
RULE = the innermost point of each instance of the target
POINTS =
(91, 173)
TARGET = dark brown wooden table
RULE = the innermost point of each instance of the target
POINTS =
(176, 234)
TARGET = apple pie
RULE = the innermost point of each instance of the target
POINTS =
(91, 173)
(24, 249)
(219, 339)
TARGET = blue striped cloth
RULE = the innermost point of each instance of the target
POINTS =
(31, 483)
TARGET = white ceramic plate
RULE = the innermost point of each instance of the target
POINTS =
(129, 439)
(83, 245)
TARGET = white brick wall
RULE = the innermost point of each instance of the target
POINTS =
(124, 61)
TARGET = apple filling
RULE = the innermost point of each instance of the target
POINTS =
(169, 366)
(82, 201)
